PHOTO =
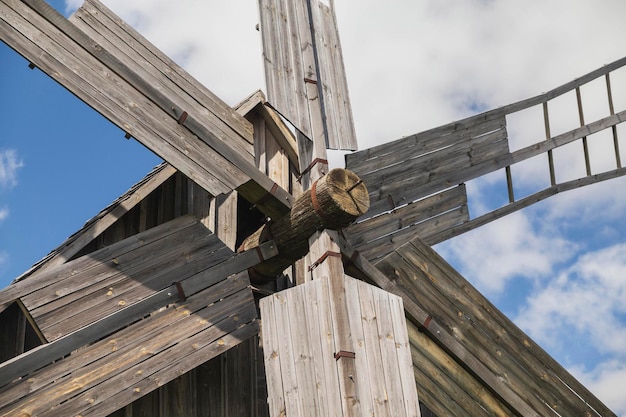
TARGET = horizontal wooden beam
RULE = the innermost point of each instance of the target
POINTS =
(42, 355)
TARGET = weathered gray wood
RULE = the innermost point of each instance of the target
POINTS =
(140, 59)
(300, 357)
(87, 72)
(302, 53)
(148, 303)
(107, 254)
(142, 355)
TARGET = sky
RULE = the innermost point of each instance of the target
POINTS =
(557, 268)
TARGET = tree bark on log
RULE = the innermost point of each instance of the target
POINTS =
(333, 202)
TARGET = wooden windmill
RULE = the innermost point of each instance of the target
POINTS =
(149, 310)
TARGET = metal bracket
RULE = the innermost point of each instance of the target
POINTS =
(344, 354)
(323, 258)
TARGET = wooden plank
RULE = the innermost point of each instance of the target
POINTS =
(411, 214)
(380, 247)
(192, 285)
(82, 72)
(521, 347)
(142, 359)
(47, 47)
(102, 256)
(332, 84)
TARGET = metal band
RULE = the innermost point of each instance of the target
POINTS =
(315, 203)
(427, 322)
(310, 167)
(182, 118)
(181, 291)
(323, 258)
(344, 354)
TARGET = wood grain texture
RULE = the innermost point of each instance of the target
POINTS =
(299, 356)
(304, 69)
(518, 374)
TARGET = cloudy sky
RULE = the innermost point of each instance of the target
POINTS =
(557, 268)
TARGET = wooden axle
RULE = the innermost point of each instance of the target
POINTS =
(333, 202)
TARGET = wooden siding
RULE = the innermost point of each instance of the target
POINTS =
(465, 351)
(412, 168)
(106, 79)
(294, 58)
(301, 368)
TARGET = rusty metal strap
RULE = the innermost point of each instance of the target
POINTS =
(344, 354)
(181, 291)
(316, 205)
(323, 258)
(310, 167)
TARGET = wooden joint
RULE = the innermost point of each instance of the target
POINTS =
(355, 255)
(310, 167)
(31, 65)
(265, 197)
(127, 135)
(181, 291)
(344, 354)
(323, 258)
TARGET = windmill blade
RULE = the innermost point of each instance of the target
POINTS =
(416, 183)
(304, 69)
(144, 93)
(117, 317)
(462, 344)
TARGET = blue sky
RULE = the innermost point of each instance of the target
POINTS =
(557, 268)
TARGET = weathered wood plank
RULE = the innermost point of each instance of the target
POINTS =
(107, 324)
(406, 216)
(301, 70)
(103, 256)
(378, 248)
(559, 388)
(145, 355)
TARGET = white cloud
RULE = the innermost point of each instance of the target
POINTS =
(589, 298)
(9, 164)
(505, 249)
(4, 213)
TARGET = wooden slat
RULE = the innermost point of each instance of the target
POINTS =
(378, 248)
(85, 264)
(407, 216)
(299, 356)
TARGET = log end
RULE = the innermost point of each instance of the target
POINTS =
(348, 192)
